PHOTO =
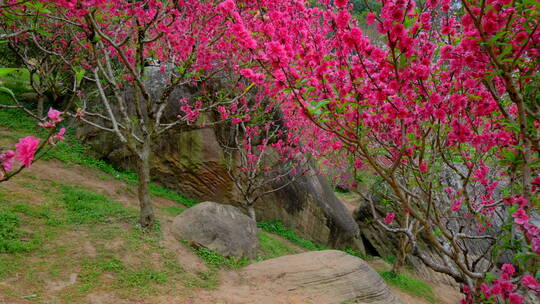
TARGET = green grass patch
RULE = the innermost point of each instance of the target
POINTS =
(276, 227)
(409, 285)
(272, 248)
(11, 237)
(173, 210)
(141, 278)
(215, 260)
(85, 207)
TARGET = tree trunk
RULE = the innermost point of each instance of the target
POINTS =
(146, 218)
(251, 212)
(402, 254)
(40, 105)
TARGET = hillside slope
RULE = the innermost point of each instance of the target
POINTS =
(70, 236)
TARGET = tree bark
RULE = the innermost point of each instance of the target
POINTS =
(40, 105)
(146, 217)
(251, 212)
(402, 253)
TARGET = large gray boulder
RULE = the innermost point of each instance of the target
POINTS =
(220, 228)
(327, 276)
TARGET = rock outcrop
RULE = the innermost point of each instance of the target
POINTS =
(220, 228)
(327, 276)
(192, 162)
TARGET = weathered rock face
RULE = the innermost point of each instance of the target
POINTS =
(220, 228)
(381, 243)
(309, 206)
(327, 276)
(192, 163)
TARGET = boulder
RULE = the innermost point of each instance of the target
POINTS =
(220, 228)
(309, 206)
(327, 276)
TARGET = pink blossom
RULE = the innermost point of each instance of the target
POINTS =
(370, 18)
(54, 115)
(535, 244)
(507, 271)
(514, 298)
(343, 19)
(456, 205)
(227, 6)
(423, 167)
(530, 282)
(26, 149)
(358, 164)
(389, 218)
(47, 125)
(60, 135)
(6, 160)
(520, 217)
(341, 3)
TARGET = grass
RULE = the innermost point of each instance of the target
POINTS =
(18, 80)
(409, 285)
(86, 207)
(215, 260)
(173, 210)
(272, 248)
(276, 227)
(11, 237)
(93, 220)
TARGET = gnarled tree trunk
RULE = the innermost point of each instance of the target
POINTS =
(146, 217)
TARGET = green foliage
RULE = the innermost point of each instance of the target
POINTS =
(276, 227)
(272, 248)
(85, 207)
(215, 260)
(410, 285)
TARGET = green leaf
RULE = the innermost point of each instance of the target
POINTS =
(513, 209)
(490, 276)
(79, 75)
